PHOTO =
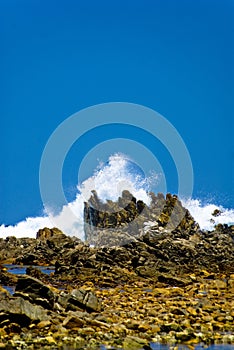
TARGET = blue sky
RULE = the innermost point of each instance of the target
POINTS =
(58, 57)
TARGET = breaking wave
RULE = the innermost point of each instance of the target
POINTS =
(109, 180)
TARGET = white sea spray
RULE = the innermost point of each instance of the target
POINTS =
(109, 180)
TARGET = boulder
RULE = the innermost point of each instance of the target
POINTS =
(79, 299)
(73, 321)
(35, 291)
(20, 311)
(46, 233)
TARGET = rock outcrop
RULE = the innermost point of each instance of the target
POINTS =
(152, 276)
(117, 223)
(44, 250)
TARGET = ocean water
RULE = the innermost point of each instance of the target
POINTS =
(109, 180)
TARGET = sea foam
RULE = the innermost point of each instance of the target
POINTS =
(109, 180)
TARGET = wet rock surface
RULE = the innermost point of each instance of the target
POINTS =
(145, 280)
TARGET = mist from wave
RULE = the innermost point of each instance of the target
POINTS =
(109, 180)
(203, 213)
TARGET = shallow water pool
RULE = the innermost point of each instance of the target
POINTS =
(21, 270)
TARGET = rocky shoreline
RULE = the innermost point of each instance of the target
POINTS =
(139, 278)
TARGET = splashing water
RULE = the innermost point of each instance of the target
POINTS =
(202, 213)
(120, 173)
(109, 180)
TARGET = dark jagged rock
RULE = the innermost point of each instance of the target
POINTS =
(98, 215)
(126, 218)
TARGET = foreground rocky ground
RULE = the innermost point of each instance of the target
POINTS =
(163, 284)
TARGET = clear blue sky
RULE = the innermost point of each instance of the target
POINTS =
(58, 57)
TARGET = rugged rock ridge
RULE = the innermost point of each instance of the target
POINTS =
(146, 245)
(114, 223)
(147, 279)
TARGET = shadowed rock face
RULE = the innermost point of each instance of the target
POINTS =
(127, 217)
